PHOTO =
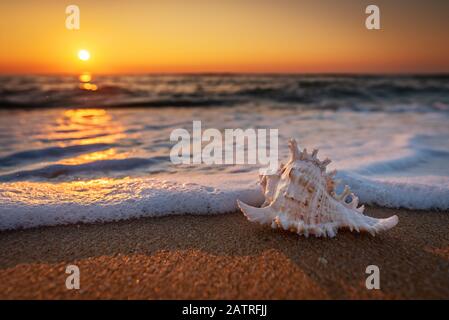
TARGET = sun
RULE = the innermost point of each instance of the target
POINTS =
(84, 55)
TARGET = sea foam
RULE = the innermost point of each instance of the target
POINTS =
(34, 204)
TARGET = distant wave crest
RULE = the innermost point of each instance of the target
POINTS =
(388, 93)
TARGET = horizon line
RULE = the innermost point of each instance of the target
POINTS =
(218, 73)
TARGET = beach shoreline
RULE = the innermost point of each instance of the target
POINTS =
(226, 257)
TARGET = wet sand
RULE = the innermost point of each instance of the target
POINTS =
(226, 257)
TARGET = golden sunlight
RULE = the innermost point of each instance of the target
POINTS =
(84, 55)
(85, 77)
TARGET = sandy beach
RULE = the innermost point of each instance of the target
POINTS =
(226, 257)
(137, 142)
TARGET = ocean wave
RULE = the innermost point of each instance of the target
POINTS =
(359, 93)
(123, 102)
(49, 153)
(33, 204)
(414, 160)
(97, 167)
(28, 204)
(426, 192)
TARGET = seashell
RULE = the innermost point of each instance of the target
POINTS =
(301, 198)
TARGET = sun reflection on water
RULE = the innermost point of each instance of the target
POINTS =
(86, 82)
(85, 77)
(87, 117)
(84, 127)
(82, 192)
(95, 156)
(88, 86)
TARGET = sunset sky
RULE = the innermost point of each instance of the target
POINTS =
(224, 36)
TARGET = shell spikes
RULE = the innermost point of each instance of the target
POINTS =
(301, 198)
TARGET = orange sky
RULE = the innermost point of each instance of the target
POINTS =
(224, 36)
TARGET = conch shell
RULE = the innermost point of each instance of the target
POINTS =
(301, 198)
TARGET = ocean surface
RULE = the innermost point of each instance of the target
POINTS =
(84, 149)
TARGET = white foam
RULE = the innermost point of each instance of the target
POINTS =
(429, 192)
(33, 204)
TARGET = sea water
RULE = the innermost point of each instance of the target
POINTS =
(69, 155)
